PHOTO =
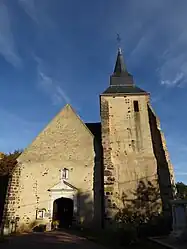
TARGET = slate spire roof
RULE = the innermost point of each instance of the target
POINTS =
(121, 81)
(120, 68)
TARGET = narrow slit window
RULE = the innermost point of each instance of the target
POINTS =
(136, 106)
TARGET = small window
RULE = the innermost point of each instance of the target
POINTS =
(136, 106)
(64, 173)
(40, 214)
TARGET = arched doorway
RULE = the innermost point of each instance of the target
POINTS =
(63, 211)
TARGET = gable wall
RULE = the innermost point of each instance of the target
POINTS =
(61, 139)
(65, 143)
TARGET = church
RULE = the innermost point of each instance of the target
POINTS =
(76, 172)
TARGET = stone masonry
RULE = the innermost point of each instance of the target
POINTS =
(127, 147)
(105, 162)
(65, 143)
(134, 147)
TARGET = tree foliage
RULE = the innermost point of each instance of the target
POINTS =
(8, 162)
(143, 207)
(144, 211)
(181, 190)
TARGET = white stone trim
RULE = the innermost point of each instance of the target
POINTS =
(63, 189)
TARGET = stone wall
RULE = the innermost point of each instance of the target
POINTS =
(64, 143)
(164, 166)
(127, 148)
(12, 201)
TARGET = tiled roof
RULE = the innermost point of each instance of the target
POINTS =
(124, 89)
(121, 81)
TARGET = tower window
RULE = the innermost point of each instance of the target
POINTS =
(64, 173)
(136, 106)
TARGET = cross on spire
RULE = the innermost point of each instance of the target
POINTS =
(119, 43)
(119, 39)
(120, 66)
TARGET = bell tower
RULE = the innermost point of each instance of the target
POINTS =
(128, 155)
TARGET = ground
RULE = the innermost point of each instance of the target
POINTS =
(63, 240)
(59, 239)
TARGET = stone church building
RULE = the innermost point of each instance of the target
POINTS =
(81, 170)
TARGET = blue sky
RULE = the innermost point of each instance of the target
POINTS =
(54, 52)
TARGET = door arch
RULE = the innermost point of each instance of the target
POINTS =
(63, 212)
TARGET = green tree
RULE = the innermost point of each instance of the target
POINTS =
(8, 162)
(181, 190)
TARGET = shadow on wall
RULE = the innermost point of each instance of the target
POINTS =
(164, 177)
(98, 178)
(144, 211)
(82, 218)
(3, 189)
(145, 201)
(98, 185)
(137, 218)
(85, 210)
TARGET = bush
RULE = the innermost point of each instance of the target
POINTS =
(40, 228)
(152, 225)
(157, 226)
(127, 235)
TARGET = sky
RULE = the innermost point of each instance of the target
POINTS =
(54, 52)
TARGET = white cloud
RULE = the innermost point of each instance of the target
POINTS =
(179, 78)
(62, 94)
(52, 88)
(157, 33)
(49, 85)
(173, 71)
(30, 8)
(173, 61)
(37, 11)
(7, 45)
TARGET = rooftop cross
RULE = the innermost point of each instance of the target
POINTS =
(119, 42)
(118, 39)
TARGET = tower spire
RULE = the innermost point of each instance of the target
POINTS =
(121, 81)
(120, 65)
